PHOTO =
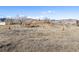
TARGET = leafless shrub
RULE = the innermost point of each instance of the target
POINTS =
(77, 22)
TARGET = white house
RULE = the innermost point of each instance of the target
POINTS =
(2, 23)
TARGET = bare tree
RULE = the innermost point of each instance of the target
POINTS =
(77, 22)
(9, 21)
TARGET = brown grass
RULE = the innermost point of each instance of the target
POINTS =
(39, 39)
(37, 23)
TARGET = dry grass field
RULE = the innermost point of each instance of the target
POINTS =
(56, 38)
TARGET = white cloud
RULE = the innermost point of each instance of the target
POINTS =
(21, 15)
(1, 16)
(34, 17)
(8, 16)
(42, 17)
(29, 17)
(48, 12)
(37, 17)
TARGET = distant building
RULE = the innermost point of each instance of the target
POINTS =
(2, 23)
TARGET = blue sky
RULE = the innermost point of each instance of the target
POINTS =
(55, 12)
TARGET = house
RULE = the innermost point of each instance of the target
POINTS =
(2, 23)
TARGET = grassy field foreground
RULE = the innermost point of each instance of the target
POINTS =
(39, 39)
